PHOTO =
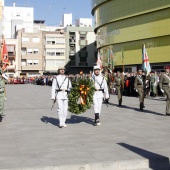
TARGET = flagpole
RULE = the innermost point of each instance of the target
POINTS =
(122, 68)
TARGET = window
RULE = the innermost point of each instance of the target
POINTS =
(35, 62)
(23, 51)
(59, 53)
(83, 54)
(23, 61)
(36, 40)
(54, 63)
(25, 39)
(82, 36)
(29, 62)
(29, 51)
(50, 52)
(35, 51)
(50, 40)
(83, 60)
(60, 40)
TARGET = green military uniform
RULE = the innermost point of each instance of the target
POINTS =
(139, 85)
(2, 96)
(164, 84)
(118, 83)
(153, 85)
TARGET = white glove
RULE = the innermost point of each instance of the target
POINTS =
(162, 90)
(136, 90)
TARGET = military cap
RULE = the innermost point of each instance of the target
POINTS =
(96, 67)
(61, 68)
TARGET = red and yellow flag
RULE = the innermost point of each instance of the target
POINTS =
(4, 55)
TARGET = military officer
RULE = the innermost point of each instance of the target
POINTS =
(2, 96)
(101, 91)
(164, 84)
(61, 86)
(139, 86)
(118, 84)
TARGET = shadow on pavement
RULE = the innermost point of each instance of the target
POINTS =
(156, 161)
(79, 119)
(74, 119)
(51, 120)
(138, 110)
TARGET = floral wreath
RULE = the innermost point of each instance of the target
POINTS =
(81, 95)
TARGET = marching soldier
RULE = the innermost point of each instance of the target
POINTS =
(61, 86)
(164, 83)
(139, 86)
(101, 90)
(118, 84)
(2, 95)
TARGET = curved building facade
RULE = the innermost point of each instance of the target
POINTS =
(123, 26)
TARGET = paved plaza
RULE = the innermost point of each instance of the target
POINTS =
(127, 138)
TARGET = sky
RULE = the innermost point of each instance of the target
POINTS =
(52, 10)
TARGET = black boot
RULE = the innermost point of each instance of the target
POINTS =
(0, 118)
(141, 106)
(97, 120)
(120, 102)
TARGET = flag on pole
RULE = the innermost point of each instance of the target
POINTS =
(145, 61)
(99, 61)
(108, 58)
(122, 55)
(112, 59)
(4, 55)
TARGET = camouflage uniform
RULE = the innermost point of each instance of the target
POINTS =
(164, 84)
(2, 96)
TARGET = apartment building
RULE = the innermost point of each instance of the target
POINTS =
(30, 53)
(16, 18)
(80, 49)
(1, 15)
(12, 49)
(54, 50)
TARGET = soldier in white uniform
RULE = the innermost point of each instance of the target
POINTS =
(101, 91)
(61, 86)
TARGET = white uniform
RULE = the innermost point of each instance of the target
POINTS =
(100, 83)
(60, 87)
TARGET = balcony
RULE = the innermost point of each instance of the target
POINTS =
(72, 53)
(31, 67)
(11, 55)
(72, 41)
(11, 67)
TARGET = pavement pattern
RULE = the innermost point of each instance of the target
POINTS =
(127, 138)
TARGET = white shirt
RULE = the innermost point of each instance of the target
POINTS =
(100, 80)
(60, 82)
